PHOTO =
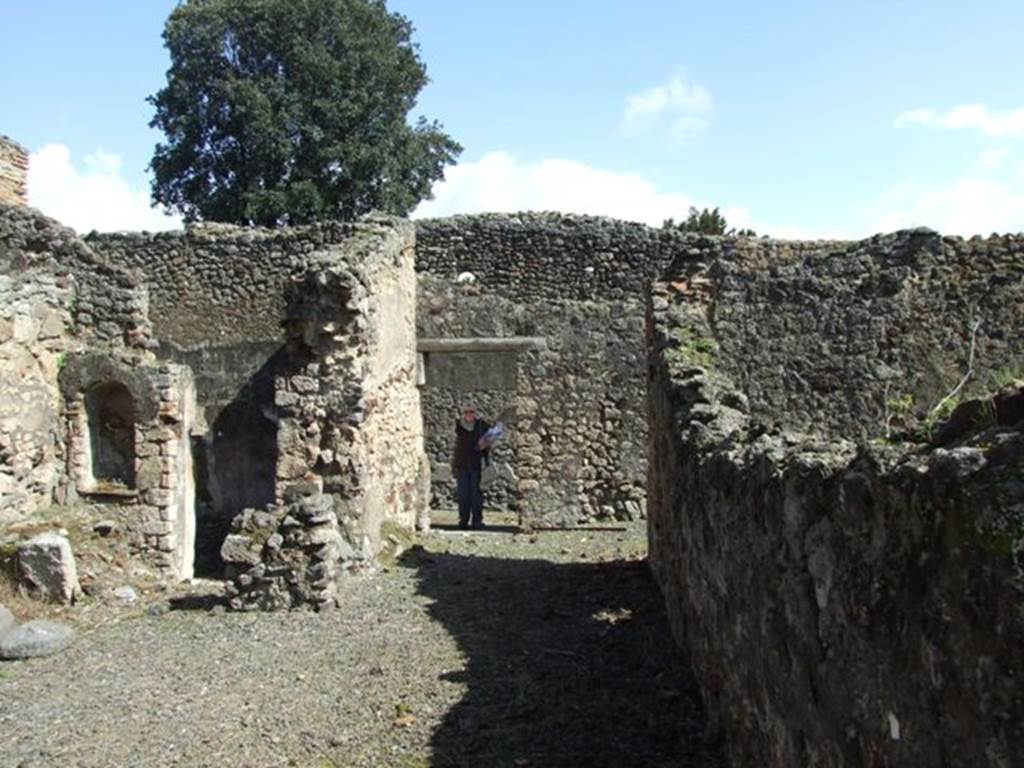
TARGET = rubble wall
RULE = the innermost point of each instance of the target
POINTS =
(576, 448)
(845, 602)
(348, 403)
(56, 297)
(397, 479)
(154, 507)
(35, 334)
(351, 457)
(219, 297)
(847, 338)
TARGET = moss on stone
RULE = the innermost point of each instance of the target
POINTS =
(692, 349)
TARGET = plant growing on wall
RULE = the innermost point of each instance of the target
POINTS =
(706, 222)
(288, 111)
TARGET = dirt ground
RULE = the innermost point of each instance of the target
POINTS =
(493, 648)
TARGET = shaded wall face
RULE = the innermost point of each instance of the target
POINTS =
(489, 381)
(110, 412)
(244, 458)
(234, 435)
(843, 605)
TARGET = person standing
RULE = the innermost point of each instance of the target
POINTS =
(468, 460)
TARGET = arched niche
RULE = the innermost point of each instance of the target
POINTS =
(111, 417)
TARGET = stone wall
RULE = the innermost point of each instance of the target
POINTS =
(350, 430)
(56, 297)
(109, 305)
(844, 603)
(35, 323)
(276, 359)
(219, 297)
(13, 172)
(348, 405)
(152, 499)
(576, 445)
(850, 338)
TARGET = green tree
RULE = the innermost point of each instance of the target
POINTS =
(706, 222)
(287, 111)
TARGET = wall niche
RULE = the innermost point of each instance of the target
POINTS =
(111, 422)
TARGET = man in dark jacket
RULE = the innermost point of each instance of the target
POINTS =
(468, 459)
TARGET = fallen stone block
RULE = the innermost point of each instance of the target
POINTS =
(46, 568)
(35, 638)
(240, 549)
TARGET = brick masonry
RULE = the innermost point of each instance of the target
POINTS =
(13, 172)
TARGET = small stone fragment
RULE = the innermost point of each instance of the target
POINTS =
(126, 594)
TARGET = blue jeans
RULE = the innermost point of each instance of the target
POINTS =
(471, 498)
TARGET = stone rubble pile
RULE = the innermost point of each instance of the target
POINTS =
(289, 556)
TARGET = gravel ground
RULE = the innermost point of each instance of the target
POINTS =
(496, 648)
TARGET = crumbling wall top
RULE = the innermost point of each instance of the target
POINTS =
(847, 338)
(216, 284)
(109, 305)
(13, 172)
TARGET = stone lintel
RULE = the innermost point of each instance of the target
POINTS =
(482, 344)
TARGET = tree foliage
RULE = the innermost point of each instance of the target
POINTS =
(287, 111)
(706, 222)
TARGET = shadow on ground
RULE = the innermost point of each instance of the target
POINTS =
(566, 665)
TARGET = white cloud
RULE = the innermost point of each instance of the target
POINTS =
(995, 158)
(966, 207)
(686, 107)
(978, 117)
(498, 182)
(95, 197)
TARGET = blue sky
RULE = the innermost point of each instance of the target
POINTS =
(800, 119)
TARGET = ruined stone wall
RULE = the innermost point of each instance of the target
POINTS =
(576, 447)
(153, 505)
(219, 298)
(347, 403)
(350, 437)
(847, 337)
(56, 297)
(397, 473)
(13, 172)
(843, 604)
(35, 322)
(110, 305)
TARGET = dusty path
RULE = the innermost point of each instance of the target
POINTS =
(492, 649)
